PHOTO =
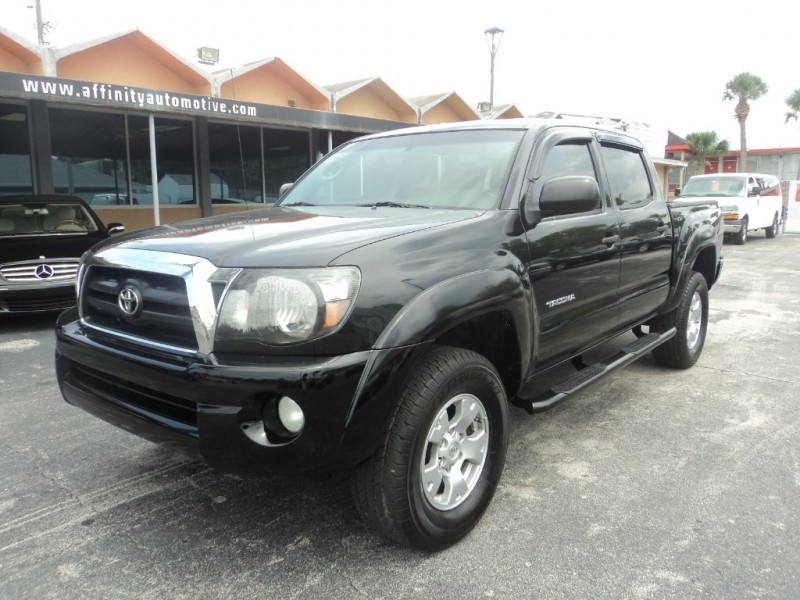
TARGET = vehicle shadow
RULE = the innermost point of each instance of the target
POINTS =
(12, 322)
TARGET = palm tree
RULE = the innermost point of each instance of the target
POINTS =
(743, 88)
(793, 102)
(704, 144)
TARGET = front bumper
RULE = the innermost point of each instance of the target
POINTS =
(210, 410)
(37, 297)
(732, 225)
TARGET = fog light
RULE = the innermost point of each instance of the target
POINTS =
(290, 415)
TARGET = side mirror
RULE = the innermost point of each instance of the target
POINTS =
(755, 191)
(570, 195)
(677, 192)
(115, 228)
(283, 189)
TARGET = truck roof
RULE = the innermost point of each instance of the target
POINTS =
(527, 123)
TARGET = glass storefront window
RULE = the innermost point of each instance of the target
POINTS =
(174, 156)
(15, 153)
(236, 169)
(286, 157)
(88, 155)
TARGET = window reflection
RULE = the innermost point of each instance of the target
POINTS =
(15, 154)
(174, 156)
(88, 155)
(630, 185)
(286, 157)
(235, 156)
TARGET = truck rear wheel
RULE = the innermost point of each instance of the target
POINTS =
(690, 319)
(772, 230)
(432, 479)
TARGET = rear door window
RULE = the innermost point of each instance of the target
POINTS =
(627, 176)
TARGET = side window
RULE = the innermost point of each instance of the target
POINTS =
(627, 177)
(773, 187)
(568, 159)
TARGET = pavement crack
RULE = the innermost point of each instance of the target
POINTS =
(747, 374)
(59, 483)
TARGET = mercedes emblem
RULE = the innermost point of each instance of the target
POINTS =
(43, 271)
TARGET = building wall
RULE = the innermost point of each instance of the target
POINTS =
(14, 64)
(122, 62)
(366, 103)
(783, 163)
(441, 113)
(267, 87)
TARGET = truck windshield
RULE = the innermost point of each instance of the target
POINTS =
(723, 186)
(453, 169)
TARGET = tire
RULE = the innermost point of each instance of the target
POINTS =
(690, 319)
(740, 237)
(772, 230)
(422, 487)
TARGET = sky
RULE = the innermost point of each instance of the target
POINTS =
(661, 63)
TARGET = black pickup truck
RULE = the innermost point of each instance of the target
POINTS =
(382, 317)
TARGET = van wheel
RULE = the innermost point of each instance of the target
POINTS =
(432, 479)
(740, 237)
(690, 319)
(772, 230)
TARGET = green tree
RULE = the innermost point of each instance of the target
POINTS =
(793, 102)
(743, 88)
(704, 144)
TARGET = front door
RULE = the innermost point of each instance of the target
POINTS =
(574, 260)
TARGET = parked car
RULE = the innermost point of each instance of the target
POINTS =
(384, 314)
(42, 238)
(749, 201)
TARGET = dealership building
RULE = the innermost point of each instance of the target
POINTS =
(146, 137)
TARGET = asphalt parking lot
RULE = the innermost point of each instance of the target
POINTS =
(651, 484)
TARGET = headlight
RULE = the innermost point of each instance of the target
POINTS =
(285, 306)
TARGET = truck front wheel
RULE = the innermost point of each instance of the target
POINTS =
(740, 237)
(690, 319)
(432, 479)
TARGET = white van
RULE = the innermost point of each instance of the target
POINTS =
(749, 201)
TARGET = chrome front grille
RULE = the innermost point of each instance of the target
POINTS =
(32, 272)
(162, 300)
(164, 316)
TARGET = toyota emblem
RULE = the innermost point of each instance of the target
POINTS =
(44, 271)
(129, 301)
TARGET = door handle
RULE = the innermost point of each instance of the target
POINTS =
(611, 239)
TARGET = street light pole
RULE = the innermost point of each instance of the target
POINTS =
(494, 44)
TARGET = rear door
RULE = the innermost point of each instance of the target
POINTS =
(645, 227)
(769, 200)
(574, 260)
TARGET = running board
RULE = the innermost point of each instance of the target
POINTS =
(591, 373)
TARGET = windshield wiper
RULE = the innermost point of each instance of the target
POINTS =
(298, 204)
(392, 205)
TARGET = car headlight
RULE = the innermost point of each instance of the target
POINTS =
(286, 306)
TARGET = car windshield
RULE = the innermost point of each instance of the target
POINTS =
(39, 218)
(452, 169)
(723, 186)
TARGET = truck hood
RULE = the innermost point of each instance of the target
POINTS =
(282, 237)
